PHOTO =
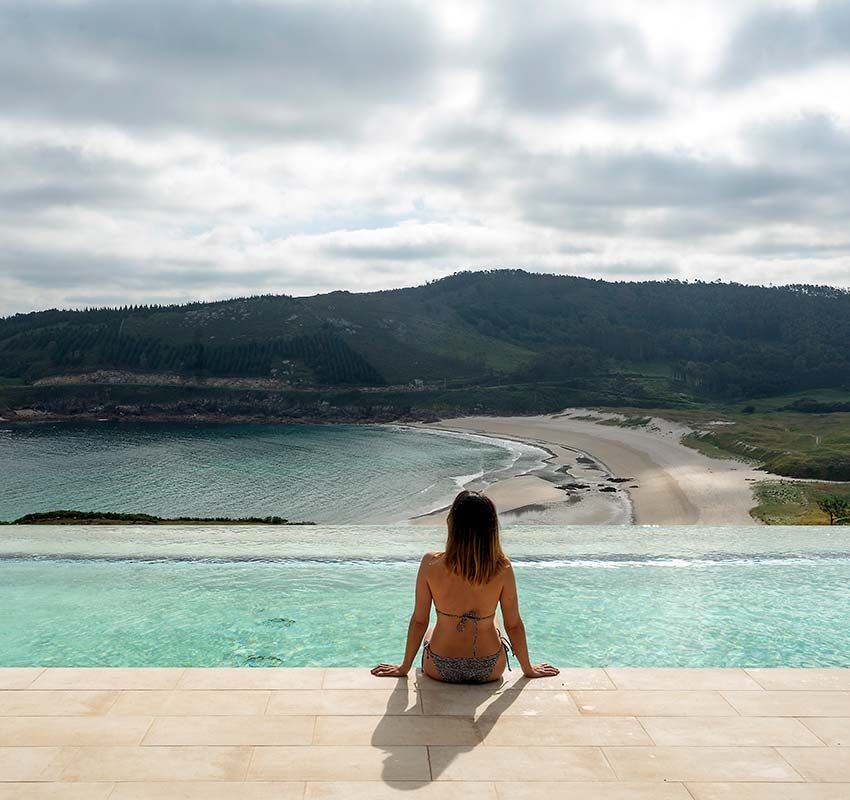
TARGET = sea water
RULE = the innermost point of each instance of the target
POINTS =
(319, 473)
(341, 596)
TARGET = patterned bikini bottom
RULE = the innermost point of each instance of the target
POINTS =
(472, 669)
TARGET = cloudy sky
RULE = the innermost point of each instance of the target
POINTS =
(160, 151)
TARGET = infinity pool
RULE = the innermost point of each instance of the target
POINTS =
(341, 596)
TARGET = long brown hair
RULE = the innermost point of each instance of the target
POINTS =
(473, 550)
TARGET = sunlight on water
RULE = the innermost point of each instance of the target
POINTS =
(340, 596)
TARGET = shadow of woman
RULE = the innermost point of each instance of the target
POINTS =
(448, 719)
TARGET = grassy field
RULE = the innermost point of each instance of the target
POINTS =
(767, 432)
(794, 502)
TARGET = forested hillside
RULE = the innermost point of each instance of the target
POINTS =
(705, 340)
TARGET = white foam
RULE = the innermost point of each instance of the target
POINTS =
(462, 481)
(515, 451)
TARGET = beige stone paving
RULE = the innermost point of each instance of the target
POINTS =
(815, 679)
(61, 731)
(699, 764)
(768, 791)
(324, 734)
(546, 730)
(621, 790)
(657, 703)
(58, 791)
(215, 702)
(208, 790)
(235, 678)
(235, 730)
(343, 702)
(116, 678)
(18, 677)
(688, 679)
(60, 704)
(790, 703)
(737, 731)
(834, 731)
(828, 764)
(393, 730)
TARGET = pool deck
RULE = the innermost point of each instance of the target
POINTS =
(322, 734)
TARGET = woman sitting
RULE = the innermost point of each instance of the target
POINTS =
(465, 583)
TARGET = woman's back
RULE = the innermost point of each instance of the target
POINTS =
(466, 613)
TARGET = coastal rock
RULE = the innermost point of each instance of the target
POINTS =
(27, 413)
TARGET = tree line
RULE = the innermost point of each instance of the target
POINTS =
(322, 357)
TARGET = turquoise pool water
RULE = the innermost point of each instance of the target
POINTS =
(341, 596)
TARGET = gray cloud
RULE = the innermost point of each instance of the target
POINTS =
(39, 178)
(70, 268)
(797, 171)
(552, 61)
(674, 196)
(647, 179)
(658, 193)
(778, 40)
(795, 250)
(391, 251)
(229, 67)
(806, 141)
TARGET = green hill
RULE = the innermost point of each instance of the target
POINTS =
(701, 340)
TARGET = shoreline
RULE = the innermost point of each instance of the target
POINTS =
(541, 495)
(666, 483)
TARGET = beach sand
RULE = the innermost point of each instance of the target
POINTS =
(669, 484)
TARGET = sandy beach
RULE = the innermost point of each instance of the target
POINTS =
(665, 482)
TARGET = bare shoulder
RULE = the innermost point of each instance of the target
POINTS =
(430, 559)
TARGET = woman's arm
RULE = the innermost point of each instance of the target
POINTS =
(415, 630)
(516, 630)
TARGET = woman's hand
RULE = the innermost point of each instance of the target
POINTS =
(389, 671)
(540, 671)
